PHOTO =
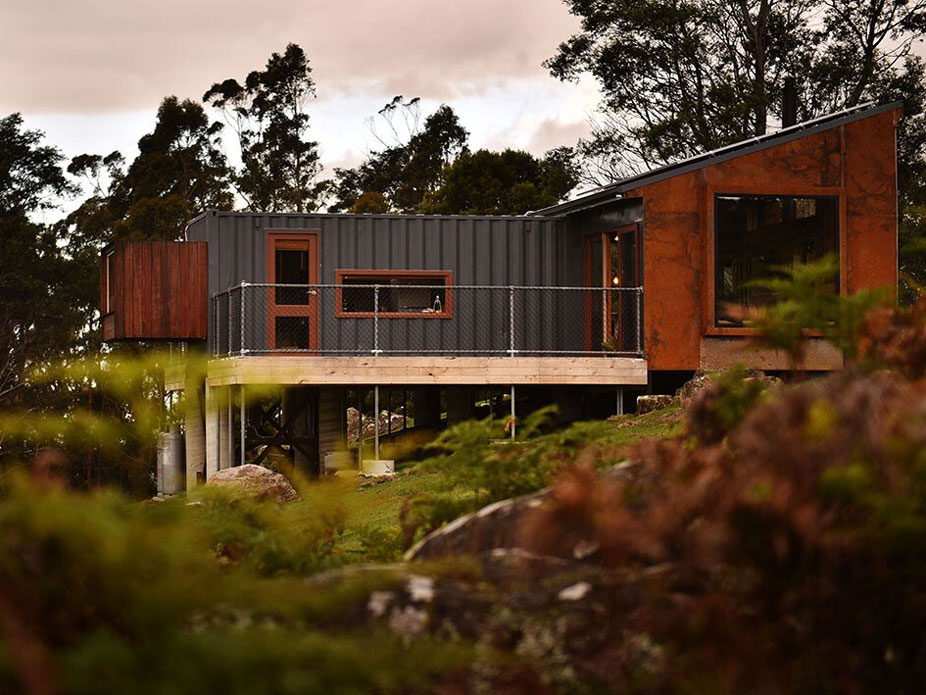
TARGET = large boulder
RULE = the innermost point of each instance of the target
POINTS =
(255, 482)
(498, 526)
(494, 526)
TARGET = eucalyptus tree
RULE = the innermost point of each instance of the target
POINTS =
(269, 113)
(685, 76)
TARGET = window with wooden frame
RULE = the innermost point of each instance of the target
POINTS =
(403, 294)
(758, 236)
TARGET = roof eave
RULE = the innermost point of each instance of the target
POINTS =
(745, 147)
(618, 189)
(608, 194)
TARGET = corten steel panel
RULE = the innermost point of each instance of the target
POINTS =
(871, 195)
(159, 291)
(856, 162)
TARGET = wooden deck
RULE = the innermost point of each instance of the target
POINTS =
(436, 370)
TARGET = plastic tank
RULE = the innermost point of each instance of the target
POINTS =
(171, 464)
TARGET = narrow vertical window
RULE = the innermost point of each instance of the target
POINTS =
(109, 282)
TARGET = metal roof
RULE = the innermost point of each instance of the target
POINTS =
(615, 190)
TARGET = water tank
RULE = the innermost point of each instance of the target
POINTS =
(171, 464)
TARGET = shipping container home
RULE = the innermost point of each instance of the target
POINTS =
(430, 319)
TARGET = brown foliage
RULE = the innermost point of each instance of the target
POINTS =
(785, 556)
(895, 338)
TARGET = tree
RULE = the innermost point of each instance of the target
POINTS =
(40, 312)
(685, 76)
(503, 183)
(410, 164)
(280, 166)
(180, 171)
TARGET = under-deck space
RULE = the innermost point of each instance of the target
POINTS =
(311, 413)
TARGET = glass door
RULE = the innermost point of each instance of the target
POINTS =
(612, 261)
(624, 305)
(292, 316)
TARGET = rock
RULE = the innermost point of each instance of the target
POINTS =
(701, 378)
(575, 592)
(499, 525)
(255, 481)
(495, 526)
(647, 404)
(704, 377)
(387, 419)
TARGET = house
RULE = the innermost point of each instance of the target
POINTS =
(626, 289)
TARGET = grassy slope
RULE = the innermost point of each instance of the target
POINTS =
(377, 506)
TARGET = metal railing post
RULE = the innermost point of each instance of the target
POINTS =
(375, 320)
(215, 325)
(228, 303)
(376, 422)
(241, 348)
(639, 313)
(511, 320)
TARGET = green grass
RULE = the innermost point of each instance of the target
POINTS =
(375, 508)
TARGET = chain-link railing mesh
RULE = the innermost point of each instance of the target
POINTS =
(426, 320)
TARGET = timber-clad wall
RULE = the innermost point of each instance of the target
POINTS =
(159, 291)
(497, 251)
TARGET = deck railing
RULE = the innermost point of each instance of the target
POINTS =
(383, 319)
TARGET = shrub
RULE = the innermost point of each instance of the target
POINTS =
(721, 405)
(785, 558)
(102, 595)
(475, 456)
(895, 338)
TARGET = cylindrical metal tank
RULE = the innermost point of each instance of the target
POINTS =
(171, 464)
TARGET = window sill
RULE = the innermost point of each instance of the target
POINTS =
(394, 315)
(746, 332)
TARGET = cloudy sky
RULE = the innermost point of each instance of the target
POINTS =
(90, 73)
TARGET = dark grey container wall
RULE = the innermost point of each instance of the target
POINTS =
(497, 251)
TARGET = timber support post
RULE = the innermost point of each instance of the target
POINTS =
(212, 431)
(195, 451)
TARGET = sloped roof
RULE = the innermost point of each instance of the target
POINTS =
(615, 190)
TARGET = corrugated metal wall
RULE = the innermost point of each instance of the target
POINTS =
(480, 250)
(497, 251)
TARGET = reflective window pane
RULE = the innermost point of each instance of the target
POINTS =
(759, 236)
(292, 268)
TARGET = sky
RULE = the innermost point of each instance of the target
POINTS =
(91, 73)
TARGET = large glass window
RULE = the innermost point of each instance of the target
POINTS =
(756, 236)
(404, 295)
